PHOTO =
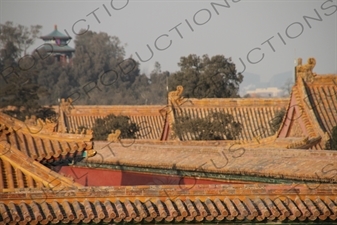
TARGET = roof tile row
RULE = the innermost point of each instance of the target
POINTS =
(20, 171)
(203, 208)
(40, 146)
(323, 101)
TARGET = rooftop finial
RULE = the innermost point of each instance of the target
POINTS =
(55, 27)
(306, 71)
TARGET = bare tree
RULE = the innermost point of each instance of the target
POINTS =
(287, 87)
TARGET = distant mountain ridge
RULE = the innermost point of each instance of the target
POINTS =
(253, 81)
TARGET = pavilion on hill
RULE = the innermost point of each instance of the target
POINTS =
(56, 43)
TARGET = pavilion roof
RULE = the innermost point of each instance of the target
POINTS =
(55, 34)
(54, 48)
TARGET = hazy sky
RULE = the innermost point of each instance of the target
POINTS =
(267, 35)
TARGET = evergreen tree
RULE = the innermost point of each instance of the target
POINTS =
(103, 127)
(204, 77)
(18, 86)
(276, 122)
(215, 126)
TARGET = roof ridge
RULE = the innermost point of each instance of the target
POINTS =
(198, 190)
(41, 130)
(300, 94)
(319, 78)
(55, 34)
(286, 113)
(312, 122)
(244, 102)
(305, 143)
(43, 147)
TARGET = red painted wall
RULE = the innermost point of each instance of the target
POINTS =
(109, 177)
